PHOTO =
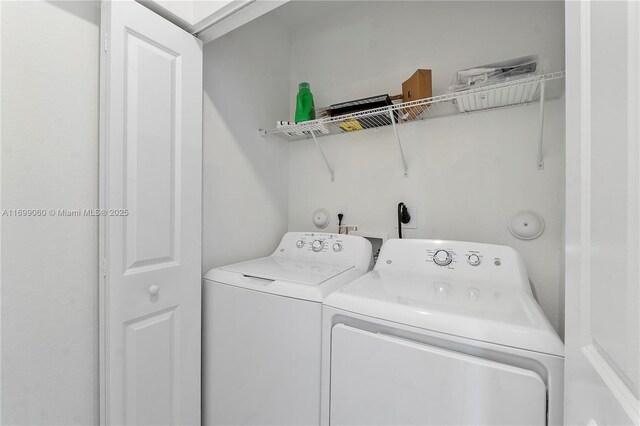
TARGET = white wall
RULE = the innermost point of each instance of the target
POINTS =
(245, 188)
(50, 55)
(182, 9)
(467, 174)
(191, 12)
(203, 9)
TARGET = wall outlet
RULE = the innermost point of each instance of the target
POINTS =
(413, 223)
(343, 210)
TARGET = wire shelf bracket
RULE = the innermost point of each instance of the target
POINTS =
(315, 139)
(541, 128)
(395, 129)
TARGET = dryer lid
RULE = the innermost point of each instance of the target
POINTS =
(489, 312)
(278, 268)
(472, 290)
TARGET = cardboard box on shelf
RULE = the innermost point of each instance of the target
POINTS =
(418, 86)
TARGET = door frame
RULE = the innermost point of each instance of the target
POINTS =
(105, 6)
(578, 185)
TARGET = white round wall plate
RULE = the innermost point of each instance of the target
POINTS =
(321, 218)
(526, 225)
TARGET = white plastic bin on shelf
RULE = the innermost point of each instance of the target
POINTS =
(519, 91)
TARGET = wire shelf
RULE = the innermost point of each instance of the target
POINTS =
(515, 92)
(502, 95)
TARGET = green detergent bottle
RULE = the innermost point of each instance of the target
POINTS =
(305, 110)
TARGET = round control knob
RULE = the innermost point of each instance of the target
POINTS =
(337, 247)
(442, 258)
(300, 244)
(474, 259)
(317, 245)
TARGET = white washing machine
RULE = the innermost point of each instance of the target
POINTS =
(262, 329)
(440, 333)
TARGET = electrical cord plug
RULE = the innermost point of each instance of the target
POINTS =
(403, 217)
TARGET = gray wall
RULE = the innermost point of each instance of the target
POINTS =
(49, 160)
(245, 176)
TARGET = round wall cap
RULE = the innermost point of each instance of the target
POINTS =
(526, 225)
(321, 218)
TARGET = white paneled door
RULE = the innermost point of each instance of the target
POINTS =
(603, 213)
(151, 231)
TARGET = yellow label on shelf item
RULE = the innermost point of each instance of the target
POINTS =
(351, 125)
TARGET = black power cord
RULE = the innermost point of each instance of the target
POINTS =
(403, 217)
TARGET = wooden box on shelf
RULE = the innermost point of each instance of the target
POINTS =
(418, 86)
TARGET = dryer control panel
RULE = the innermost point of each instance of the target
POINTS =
(460, 259)
(474, 256)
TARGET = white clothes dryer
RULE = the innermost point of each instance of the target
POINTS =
(262, 329)
(440, 333)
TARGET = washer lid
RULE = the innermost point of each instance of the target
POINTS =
(481, 310)
(292, 270)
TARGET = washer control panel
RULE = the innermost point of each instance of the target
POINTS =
(325, 247)
(321, 242)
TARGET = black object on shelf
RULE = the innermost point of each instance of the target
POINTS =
(375, 120)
